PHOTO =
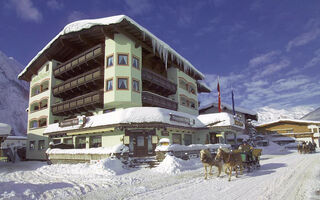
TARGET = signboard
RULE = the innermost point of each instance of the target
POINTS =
(69, 122)
(81, 120)
(179, 119)
(154, 139)
(126, 139)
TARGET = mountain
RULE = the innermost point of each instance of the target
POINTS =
(313, 116)
(267, 114)
(14, 95)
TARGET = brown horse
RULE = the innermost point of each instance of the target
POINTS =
(231, 160)
(208, 161)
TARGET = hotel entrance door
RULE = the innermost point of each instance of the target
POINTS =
(140, 142)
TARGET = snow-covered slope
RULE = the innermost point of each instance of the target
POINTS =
(267, 114)
(314, 115)
(14, 95)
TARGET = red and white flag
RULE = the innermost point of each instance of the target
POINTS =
(219, 97)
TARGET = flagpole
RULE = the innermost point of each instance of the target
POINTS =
(219, 96)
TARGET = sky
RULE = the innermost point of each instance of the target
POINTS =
(267, 52)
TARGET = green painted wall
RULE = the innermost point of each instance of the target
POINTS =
(122, 98)
(36, 134)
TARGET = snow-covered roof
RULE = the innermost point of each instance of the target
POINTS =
(289, 120)
(229, 107)
(13, 137)
(218, 119)
(283, 139)
(131, 115)
(5, 129)
(158, 45)
(192, 147)
(204, 85)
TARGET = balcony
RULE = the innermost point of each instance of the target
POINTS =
(84, 83)
(156, 83)
(83, 103)
(151, 99)
(81, 63)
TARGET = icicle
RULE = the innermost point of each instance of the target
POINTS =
(172, 57)
(165, 57)
(144, 35)
(154, 42)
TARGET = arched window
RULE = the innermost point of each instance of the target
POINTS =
(43, 104)
(35, 90)
(192, 89)
(44, 86)
(42, 122)
(33, 123)
(183, 84)
(35, 107)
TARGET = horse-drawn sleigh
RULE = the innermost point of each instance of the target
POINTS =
(232, 160)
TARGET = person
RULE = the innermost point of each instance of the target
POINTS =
(247, 149)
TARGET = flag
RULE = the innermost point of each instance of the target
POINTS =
(234, 112)
(219, 97)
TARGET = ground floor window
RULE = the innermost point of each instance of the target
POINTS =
(176, 138)
(187, 139)
(32, 145)
(81, 142)
(41, 145)
(56, 141)
(68, 141)
(95, 141)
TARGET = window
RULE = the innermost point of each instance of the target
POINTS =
(43, 122)
(135, 86)
(81, 142)
(47, 67)
(44, 104)
(67, 141)
(110, 61)
(56, 141)
(123, 83)
(135, 63)
(41, 145)
(183, 84)
(34, 107)
(44, 86)
(192, 89)
(95, 141)
(183, 101)
(33, 124)
(109, 85)
(32, 145)
(192, 104)
(187, 139)
(315, 130)
(176, 138)
(122, 59)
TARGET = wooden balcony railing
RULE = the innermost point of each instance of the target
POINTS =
(157, 83)
(85, 61)
(81, 84)
(83, 103)
(152, 99)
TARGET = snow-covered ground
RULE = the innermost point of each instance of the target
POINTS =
(283, 175)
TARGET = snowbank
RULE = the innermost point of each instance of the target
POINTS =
(174, 165)
(112, 165)
(192, 147)
(101, 150)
